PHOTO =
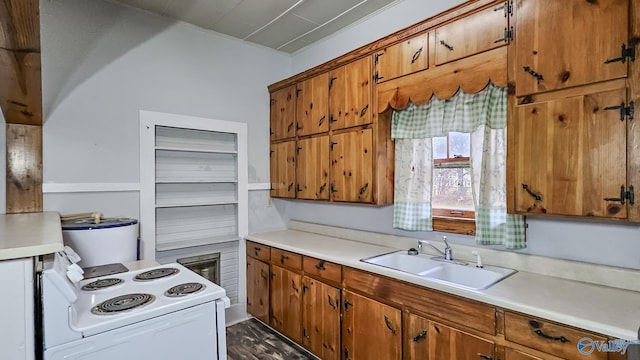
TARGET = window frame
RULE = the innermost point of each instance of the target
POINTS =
(452, 220)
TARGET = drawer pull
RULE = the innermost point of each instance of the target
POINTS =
(486, 357)
(283, 258)
(331, 302)
(422, 335)
(389, 325)
(536, 330)
(320, 265)
(257, 250)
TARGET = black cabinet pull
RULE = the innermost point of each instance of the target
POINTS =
(416, 55)
(531, 72)
(290, 187)
(289, 127)
(485, 357)
(364, 110)
(446, 45)
(331, 82)
(283, 258)
(320, 265)
(535, 328)
(293, 285)
(257, 250)
(389, 325)
(420, 336)
(322, 187)
(538, 197)
(347, 303)
(321, 120)
(623, 196)
(331, 303)
(363, 189)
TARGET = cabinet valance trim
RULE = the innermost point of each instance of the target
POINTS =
(470, 74)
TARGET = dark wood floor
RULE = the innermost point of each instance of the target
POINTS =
(252, 340)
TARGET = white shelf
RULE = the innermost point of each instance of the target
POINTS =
(195, 181)
(184, 243)
(194, 204)
(187, 149)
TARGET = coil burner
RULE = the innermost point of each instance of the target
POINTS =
(156, 274)
(122, 303)
(184, 289)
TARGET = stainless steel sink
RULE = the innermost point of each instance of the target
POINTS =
(455, 274)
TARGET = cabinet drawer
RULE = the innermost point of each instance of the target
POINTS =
(322, 269)
(549, 337)
(258, 251)
(286, 259)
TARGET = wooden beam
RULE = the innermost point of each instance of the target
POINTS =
(24, 168)
(21, 103)
(21, 91)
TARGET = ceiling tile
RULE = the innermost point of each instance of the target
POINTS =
(282, 31)
(156, 6)
(233, 27)
(203, 13)
(259, 12)
(321, 11)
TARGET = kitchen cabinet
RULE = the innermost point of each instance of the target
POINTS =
(472, 34)
(571, 156)
(548, 337)
(283, 169)
(562, 44)
(351, 166)
(415, 331)
(312, 172)
(321, 318)
(401, 59)
(258, 289)
(312, 108)
(511, 354)
(282, 113)
(370, 329)
(285, 302)
(449, 343)
(350, 94)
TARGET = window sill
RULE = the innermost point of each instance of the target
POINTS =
(454, 225)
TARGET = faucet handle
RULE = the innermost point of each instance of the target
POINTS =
(444, 238)
(478, 259)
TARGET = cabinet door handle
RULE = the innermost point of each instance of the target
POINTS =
(531, 72)
(323, 187)
(283, 258)
(364, 110)
(535, 328)
(538, 197)
(420, 336)
(321, 120)
(389, 325)
(263, 274)
(293, 285)
(416, 55)
(347, 303)
(486, 357)
(363, 189)
(289, 127)
(446, 45)
(320, 265)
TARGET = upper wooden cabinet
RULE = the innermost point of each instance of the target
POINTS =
(472, 34)
(283, 169)
(351, 166)
(312, 174)
(282, 113)
(312, 108)
(571, 156)
(560, 44)
(402, 58)
(350, 94)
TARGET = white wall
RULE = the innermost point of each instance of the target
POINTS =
(615, 244)
(102, 63)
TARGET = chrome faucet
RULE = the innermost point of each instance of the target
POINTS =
(446, 254)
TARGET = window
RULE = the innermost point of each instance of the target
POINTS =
(452, 194)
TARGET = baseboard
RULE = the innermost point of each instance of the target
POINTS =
(235, 314)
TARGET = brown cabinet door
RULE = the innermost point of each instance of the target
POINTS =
(561, 44)
(258, 289)
(352, 166)
(571, 155)
(473, 34)
(511, 354)
(286, 290)
(370, 329)
(446, 343)
(283, 169)
(402, 58)
(312, 172)
(282, 113)
(321, 319)
(416, 339)
(350, 94)
(312, 108)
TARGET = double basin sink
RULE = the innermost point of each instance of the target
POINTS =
(457, 274)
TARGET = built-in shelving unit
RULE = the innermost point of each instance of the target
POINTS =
(193, 181)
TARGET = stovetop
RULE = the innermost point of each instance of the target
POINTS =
(159, 290)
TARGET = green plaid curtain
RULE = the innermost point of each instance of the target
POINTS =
(484, 116)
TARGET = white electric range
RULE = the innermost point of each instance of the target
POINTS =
(163, 312)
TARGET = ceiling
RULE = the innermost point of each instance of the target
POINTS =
(284, 25)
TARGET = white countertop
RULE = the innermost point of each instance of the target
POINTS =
(26, 235)
(601, 309)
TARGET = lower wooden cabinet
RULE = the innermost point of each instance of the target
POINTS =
(446, 343)
(321, 318)
(258, 289)
(370, 329)
(286, 293)
(416, 340)
(511, 354)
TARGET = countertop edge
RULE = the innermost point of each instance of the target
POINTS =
(481, 296)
